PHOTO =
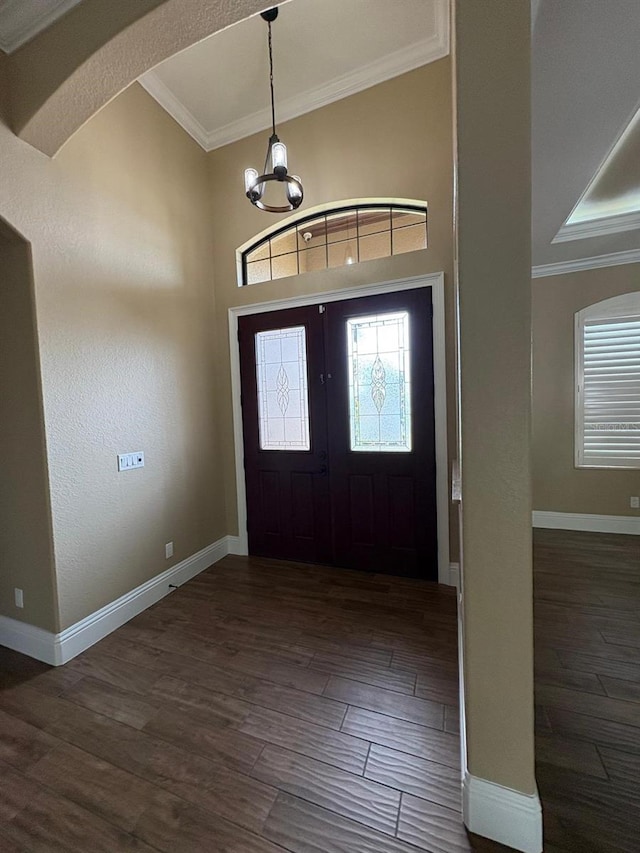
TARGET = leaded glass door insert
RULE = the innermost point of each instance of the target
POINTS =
(283, 394)
(379, 371)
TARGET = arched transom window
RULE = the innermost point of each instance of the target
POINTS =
(334, 238)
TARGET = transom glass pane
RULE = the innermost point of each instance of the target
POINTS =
(379, 383)
(283, 394)
(347, 235)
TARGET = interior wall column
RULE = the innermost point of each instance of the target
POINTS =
(493, 245)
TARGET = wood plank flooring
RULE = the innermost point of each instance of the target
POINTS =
(268, 707)
(261, 708)
(587, 622)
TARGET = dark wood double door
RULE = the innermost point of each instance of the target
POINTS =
(339, 445)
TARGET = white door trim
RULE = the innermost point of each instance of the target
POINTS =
(433, 280)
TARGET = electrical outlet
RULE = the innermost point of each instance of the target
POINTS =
(635, 502)
(126, 461)
(168, 550)
(19, 596)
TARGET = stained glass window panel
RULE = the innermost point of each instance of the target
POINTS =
(379, 383)
(283, 395)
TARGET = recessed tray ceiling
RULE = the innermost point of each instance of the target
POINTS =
(218, 90)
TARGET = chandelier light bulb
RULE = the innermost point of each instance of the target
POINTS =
(250, 178)
(294, 190)
(278, 156)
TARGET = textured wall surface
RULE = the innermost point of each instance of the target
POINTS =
(393, 140)
(121, 243)
(72, 69)
(494, 257)
(558, 486)
(26, 553)
(4, 88)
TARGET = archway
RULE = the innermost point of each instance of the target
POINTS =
(99, 49)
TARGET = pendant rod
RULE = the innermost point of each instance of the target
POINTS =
(273, 105)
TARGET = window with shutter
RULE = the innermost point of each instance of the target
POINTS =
(608, 384)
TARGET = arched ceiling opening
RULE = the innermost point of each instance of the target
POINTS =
(69, 71)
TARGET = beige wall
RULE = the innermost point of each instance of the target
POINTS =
(119, 228)
(559, 486)
(393, 140)
(494, 267)
(4, 88)
(26, 553)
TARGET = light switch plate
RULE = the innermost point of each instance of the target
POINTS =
(126, 461)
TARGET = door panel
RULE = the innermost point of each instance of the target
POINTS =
(269, 505)
(302, 505)
(355, 484)
(389, 525)
(402, 511)
(362, 509)
(287, 488)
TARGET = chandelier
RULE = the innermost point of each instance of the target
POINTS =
(254, 184)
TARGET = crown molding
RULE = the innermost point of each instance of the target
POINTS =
(615, 259)
(600, 227)
(392, 65)
(21, 20)
(385, 68)
(176, 109)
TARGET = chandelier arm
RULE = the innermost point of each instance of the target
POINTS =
(266, 158)
(293, 204)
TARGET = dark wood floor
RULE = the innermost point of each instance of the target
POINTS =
(587, 621)
(265, 708)
(259, 708)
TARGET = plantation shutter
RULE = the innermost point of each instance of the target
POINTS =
(610, 393)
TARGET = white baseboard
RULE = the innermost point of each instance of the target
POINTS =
(56, 649)
(454, 575)
(27, 639)
(501, 814)
(238, 545)
(593, 523)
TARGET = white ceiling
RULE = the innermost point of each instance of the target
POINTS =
(586, 131)
(218, 90)
(20, 20)
(611, 202)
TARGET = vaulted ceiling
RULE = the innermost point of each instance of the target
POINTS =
(585, 90)
(586, 131)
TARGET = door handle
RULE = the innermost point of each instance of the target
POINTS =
(323, 470)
